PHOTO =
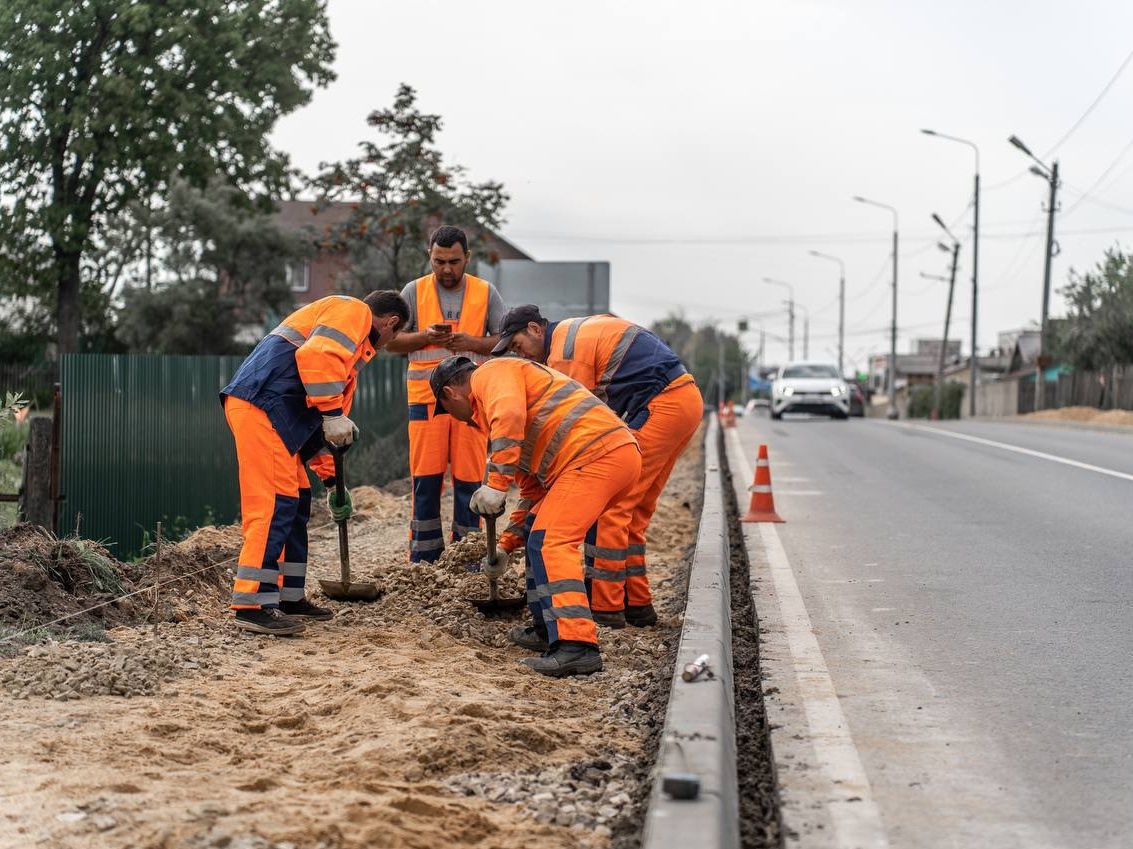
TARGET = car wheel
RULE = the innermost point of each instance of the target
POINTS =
(776, 416)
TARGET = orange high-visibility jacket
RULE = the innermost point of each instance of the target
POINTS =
(307, 368)
(473, 321)
(622, 363)
(539, 423)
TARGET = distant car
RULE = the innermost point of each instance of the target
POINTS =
(857, 400)
(810, 387)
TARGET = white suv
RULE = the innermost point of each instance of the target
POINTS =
(807, 387)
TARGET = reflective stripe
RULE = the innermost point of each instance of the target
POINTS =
(332, 387)
(615, 361)
(569, 611)
(502, 443)
(616, 576)
(563, 431)
(425, 524)
(759, 487)
(501, 468)
(514, 528)
(257, 599)
(636, 548)
(293, 570)
(292, 594)
(635, 571)
(524, 504)
(419, 374)
(426, 544)
(532, 596)
(605, 553)
(539, 421)
(335, 334)
(290, 334)
(572, 331)
(566, 585)
(251, 573)
(600, 436)
(762, 464)
(463, 530)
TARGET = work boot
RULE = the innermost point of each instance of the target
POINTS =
(641, 616)
(306, 609)
(528, 637)
(567, 658)
(268, 620)
(610, 618)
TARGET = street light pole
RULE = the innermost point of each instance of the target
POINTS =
(892, 412)
(841, 308)
(1051, 176)
(975, 263)
(938, 389)
(790, 314)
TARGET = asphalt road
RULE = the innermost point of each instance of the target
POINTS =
(974, 604)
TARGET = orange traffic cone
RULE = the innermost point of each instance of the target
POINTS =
(762, 507)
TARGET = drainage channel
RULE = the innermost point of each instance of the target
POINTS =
(715, 744)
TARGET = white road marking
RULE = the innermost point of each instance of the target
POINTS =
(1054, 458)
(852, 808)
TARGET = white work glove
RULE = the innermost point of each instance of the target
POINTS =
(339, 431)
(495, 570)
(487, 501)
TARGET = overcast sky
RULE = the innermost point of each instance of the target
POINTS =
(700, 147)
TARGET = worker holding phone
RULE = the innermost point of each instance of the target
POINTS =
(450, 312)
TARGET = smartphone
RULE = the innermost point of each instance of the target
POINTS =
(442, 328)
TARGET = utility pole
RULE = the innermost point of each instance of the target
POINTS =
(1040, 374)
(841, 308)
(790, 314)
(892, 369)
(938, 390)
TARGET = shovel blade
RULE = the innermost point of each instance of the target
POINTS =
(339, 591)
(497, 606)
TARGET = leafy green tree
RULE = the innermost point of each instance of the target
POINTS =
(1097, 332)
(699, 350)
(103, 101)
(399, 190)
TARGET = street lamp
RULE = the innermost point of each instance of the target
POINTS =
(1051, 176)
(892, 389)
(790, 314)
(841, 306)
(806, 332)
(938, 389)
(975, 260)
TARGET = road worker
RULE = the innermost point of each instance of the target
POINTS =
(450, 312)
(288, 401)
(573, 461)
(642, 381)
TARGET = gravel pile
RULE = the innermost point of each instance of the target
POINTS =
(73, 670)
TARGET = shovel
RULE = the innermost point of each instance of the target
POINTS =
(344, 590)
(493, 605)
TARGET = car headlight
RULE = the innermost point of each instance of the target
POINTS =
(788, 391)
(838, 390)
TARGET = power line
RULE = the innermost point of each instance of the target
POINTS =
(1099, 180)
(1090, 108)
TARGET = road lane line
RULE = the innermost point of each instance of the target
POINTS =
(1054, 458)
(850, 804)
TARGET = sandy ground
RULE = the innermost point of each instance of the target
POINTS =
(374, 730)
(1085, 414)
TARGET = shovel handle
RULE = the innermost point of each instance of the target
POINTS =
(340, 493)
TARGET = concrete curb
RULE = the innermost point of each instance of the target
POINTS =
(699, 735)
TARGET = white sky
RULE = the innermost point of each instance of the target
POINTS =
(700, 147)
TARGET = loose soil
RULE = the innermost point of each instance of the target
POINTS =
(406, 722)
(1085, 414)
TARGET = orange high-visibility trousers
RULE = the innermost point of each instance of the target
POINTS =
(570, 508)
(275, 505)
(435, 444)
(674, 416)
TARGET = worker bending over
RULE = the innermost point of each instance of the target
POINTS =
(450, 312)
(289, 400)
(573, 460)
(643, 381)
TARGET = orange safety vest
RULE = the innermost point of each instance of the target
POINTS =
(539, 422)
(473, 321)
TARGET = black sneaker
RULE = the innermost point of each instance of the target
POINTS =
(610, 618)
(268, 620)
(567, 658)
(528, 637)
(641, 616)
(305, 608)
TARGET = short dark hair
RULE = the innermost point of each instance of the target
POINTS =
(446, 236)
(388, 302)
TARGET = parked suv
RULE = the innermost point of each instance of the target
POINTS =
(810, 387)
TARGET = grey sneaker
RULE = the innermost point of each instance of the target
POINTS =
(268, 620)
(528, 637)
(567, 658)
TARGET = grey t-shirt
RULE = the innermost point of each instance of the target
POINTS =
(451, 302)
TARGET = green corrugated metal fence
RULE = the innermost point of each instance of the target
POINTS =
(145, 440)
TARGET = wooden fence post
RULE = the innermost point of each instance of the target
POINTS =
(38, 508)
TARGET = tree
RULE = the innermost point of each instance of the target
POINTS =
(101, 103)
(399, 190)
(1097, 332)
(699, 350)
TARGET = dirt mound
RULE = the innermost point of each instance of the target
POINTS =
(1085, 414)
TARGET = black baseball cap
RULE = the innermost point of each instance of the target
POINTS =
(443, 374)
(515, 320)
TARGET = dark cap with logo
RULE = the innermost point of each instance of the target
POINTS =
(515, 320)
(445, 372)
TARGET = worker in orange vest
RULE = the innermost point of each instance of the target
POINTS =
(573, 461)
(643, 381)
(287, 402)
(450, 312)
